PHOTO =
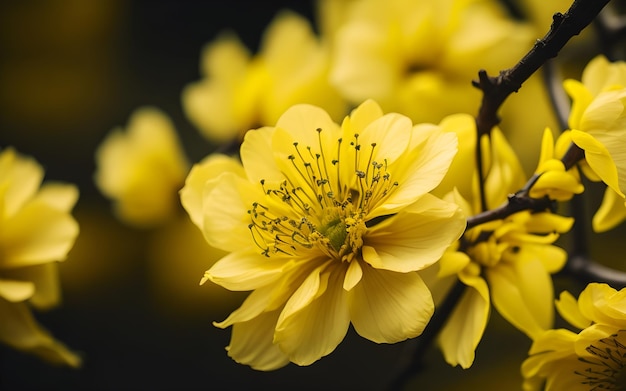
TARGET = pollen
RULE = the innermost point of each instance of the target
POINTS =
(320, 205)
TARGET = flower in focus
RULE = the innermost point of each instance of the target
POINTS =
(554, 181)
(328, 225)
(506, 262)
(142, 169)
(598, 123)
(594, 358)
(240, 91)
(37, 230)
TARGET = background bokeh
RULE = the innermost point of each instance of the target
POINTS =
(72, 70)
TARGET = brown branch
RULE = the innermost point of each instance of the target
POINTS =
(497, 89)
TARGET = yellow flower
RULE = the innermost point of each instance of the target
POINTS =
(554, 181)
(598, 123)
(37, 230)
(410, 55)
(142, 169)
(240, 91)
(328, 225)
(594, 358)
(505, 262)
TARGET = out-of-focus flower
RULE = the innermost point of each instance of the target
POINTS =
(142, 169)
(598, 123)
(594, 358)
(505, 262)
(327, 225)
(419, 57)
(37, 230)
(554, 181)
(239, 91)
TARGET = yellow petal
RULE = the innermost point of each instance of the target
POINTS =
(429, 161)
(45, 280)
(522, 293)
(37, 234)
(226, 202)
(20, 176)
(353, 275)
(191, 195)
(246, 270)
(388, 307)
(315, 320)
(452, 262)
(16, 291)
(255, 304)
(257, 156)
(20, 330)
(598, 158)
(60, 196)
(465, 327)
(612, 212)
(414, 238)
(567, 306)
(251, 343)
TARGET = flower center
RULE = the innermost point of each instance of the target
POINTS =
(320, 205)
(607, 366)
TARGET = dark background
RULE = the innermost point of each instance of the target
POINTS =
(72, 70)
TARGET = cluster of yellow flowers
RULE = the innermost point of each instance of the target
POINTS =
(356, 196)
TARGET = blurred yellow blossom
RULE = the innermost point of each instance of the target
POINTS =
(142, 169)
(240, 91)
(505, 262)
(419, 57)
(37, 230)
(592, 359)
(598, 123)
(554, 181)
(328, 225)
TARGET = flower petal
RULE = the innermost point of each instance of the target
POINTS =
(612, 212)
(465, 327)
(16, 291)
(315, 320)
(20, 330)
(36, 234)
(430, 156)
(414, 238)
(257, 156)
(522, 293)
(388, 307)
(567, 306)
(226, 204)
(251, 343)
(191, 195)
(246, 270)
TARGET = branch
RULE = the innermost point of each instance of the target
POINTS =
(497, 89)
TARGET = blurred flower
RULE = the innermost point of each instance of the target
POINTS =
(594, 358)
(142, 169)
(598, 123)
(37, 230)
(240, 91)
(506, 262)
(327, 225)
(419, 57)
(554, 181)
